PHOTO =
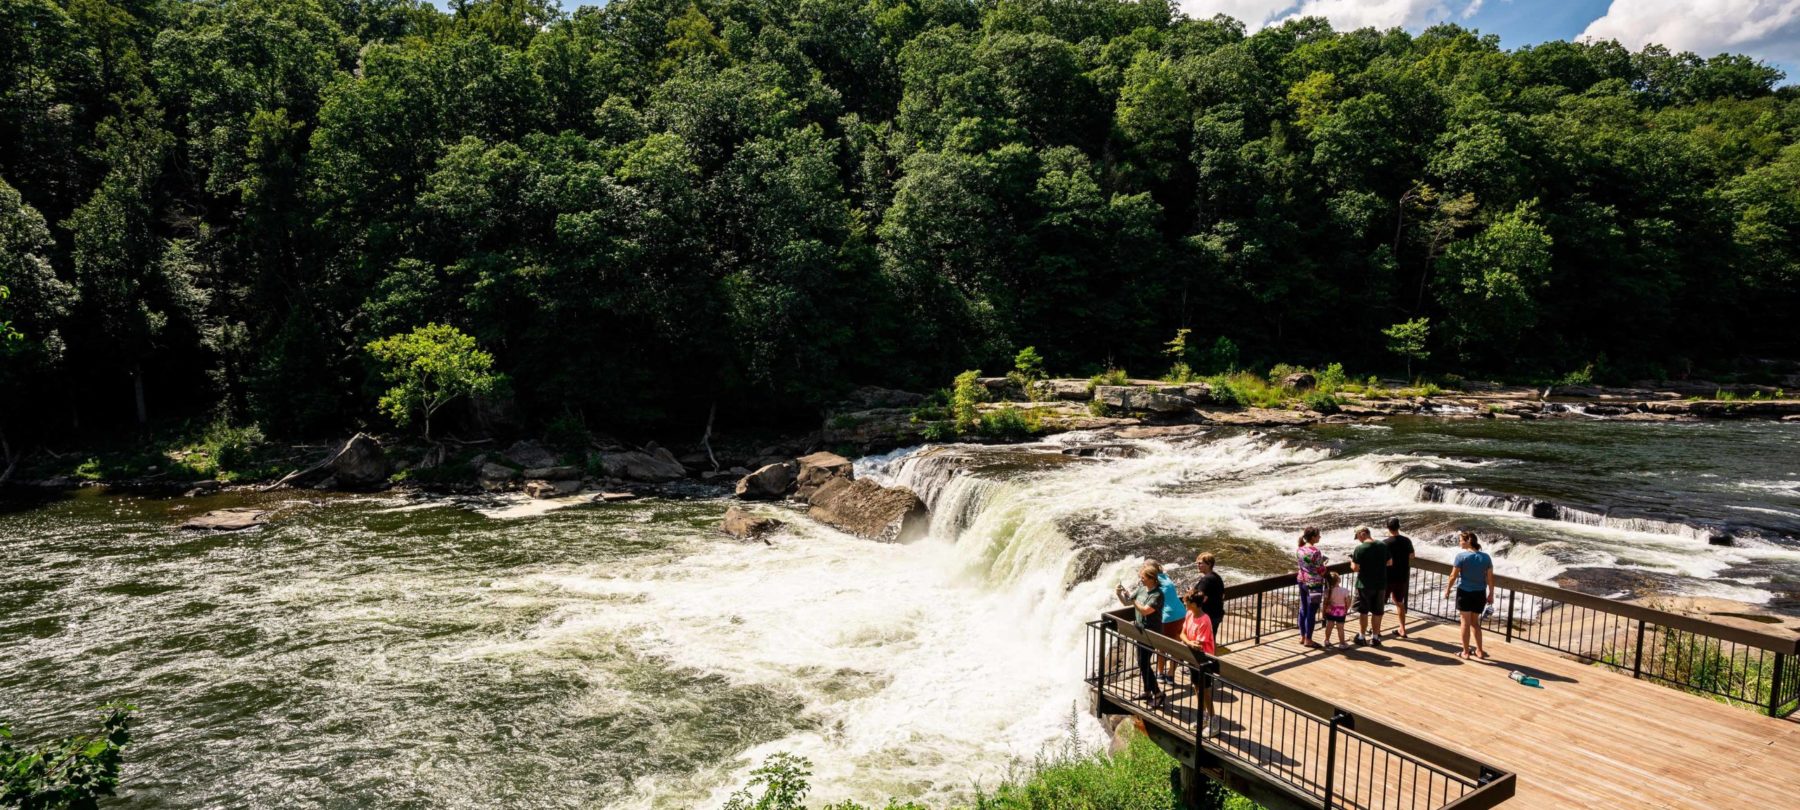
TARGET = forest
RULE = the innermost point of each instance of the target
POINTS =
(212, 209)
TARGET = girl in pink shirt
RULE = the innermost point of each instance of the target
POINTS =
(1197, 632)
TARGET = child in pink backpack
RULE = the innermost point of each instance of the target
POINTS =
(1337, 607)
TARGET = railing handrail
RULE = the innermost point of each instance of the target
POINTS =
(1761, 639)
(1380, 731)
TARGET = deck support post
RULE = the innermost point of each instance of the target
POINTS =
(1511, 596)
(1338, 719)
(1775, 696)
(1637, 658)
(1196, 790)
(1259, 603)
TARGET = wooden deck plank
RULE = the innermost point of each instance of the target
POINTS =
(1589, 738)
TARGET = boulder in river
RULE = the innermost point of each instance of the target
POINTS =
(769, 482)
(496, 476)
(228, 520)
(529, 455)
(1300, 381)
(745, 526)
(654, 467)
(818, 468)
(867, 509)
(551, 489)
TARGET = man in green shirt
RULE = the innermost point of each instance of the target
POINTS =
(1370, 562)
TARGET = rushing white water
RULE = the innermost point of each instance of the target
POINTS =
(509, 652)
(927, 667)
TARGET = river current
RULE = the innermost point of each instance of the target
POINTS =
(391, 652)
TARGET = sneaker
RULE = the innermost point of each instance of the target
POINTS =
(1375, 640)
(1208, 732)
(1166, 678)
(1360, 641)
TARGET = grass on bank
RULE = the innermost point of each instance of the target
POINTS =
(1701, 666)
(1066, 778)
(218, 450)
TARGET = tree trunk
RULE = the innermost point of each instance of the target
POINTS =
(7, 457)
(137, 390)
(706, 438)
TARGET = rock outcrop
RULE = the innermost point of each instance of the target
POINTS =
(1300, 381)
(552, 489)
(817, 469)
(745, 526)
(494, 477)
(1167, 400)
(228, 520)
(529, 455)
(655, 466)
(558, 473)
(866, 509)
(1066, 390)
(769, 482)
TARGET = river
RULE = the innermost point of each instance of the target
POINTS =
(384, 651)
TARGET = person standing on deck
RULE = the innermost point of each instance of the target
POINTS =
(1173, 614)
(1146, 614)
(1209, 591)
(1400, 556)
(1311, 576)
(1472, 579)
(1370, 562)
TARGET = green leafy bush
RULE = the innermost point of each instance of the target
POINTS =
(1028, 369)
(68, 774)
(1582, 376)
(1321, 402)
(1221, 358)
(965, 395)
(1180, 371)
(1332, 379)
(1008, 423)
(1068, 777)
(1111, 376)
(1097, 408)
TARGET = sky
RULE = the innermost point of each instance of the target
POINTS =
(1765, 29)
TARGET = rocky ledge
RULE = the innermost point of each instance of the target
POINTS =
(827, 485)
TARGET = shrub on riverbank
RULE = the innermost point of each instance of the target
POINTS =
(67, 774)
(1068, 778)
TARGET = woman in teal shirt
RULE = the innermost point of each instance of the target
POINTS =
(1472, 581)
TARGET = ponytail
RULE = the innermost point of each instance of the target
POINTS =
(1308, 533)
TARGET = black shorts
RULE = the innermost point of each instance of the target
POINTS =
(1470, 601)
(1398, 586)
(1371, 600)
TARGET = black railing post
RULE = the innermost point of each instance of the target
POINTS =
(1338, 718)
(1258, 628)
(1637, 658)
(1511, 597)
(1775, 701)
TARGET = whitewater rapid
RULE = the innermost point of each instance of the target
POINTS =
(928, 668)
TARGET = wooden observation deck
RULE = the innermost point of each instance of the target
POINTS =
(1638, 707)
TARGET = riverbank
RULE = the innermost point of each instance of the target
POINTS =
(873, 420)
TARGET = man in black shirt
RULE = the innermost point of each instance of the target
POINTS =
(1400, 555)
(1209, 592)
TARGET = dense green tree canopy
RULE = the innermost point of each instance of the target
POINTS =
(653, 207)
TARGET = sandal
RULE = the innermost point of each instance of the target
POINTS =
(1464, 654)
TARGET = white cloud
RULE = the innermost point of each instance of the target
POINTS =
(1345, 15)
(1768, 29)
